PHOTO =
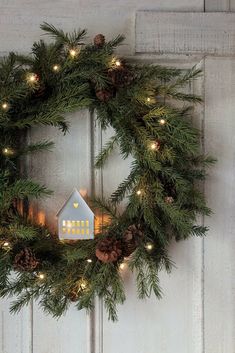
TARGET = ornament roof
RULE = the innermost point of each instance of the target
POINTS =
(75, 194)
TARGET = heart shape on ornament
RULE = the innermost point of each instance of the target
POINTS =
(75, 205)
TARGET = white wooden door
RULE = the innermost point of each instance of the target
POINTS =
(196, 314)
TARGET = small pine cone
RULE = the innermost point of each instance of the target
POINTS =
(169, 199)
(73, 296)
(104, 95)
(99, 40)
(121, 76)
(131, 239)
(108, 250)
(25, 260)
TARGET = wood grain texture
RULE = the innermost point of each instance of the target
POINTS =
(66, 167)
(15, 330)
(20, 20)
(185, 33)
(220, 192)
(217, 5)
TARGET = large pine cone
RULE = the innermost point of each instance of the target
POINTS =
(25, 260)
(99, 40)
(131, 239)
(108, 250)
(121, 76)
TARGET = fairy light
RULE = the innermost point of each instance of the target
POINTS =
(7, 151)
(72, 53)
(6, 244)
(138, 192)
(32, 78)
(148, 99)
(5, 106)
(83, 284)
(56, 68)
(41, 276)
(118, 63)
(162, 121)
(122, 266)
(154, 146)
(89, 261)
(149, 246)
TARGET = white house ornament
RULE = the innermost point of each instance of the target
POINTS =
(75, 219)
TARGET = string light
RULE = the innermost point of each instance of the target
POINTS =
(56, 68)
(138, 192)
(162, 121)
(148, 99)
(5, 106)
(72, 53)
(83, 284)
(89, 260)
(7, 151)
(118, 63)
(32, 78)
(41, 276)
(6, 244)
(122, 266)
(149, 246)
(154, 146)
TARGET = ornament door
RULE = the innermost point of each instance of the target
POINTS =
(196, 314)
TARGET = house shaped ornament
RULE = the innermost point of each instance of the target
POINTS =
(75, 219)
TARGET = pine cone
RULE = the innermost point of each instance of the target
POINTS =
(131, 239)
(108, 250)
(169, 199)
(121, 76)
(73, 295)
(99, 40)
(104, 95)
(25, 260)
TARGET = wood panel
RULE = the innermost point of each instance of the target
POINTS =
(15, 331)
(182, 33)
(173, 324)
(68, 166)
(217, 5)
(220, 192)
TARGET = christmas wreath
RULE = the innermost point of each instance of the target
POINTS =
(161, 191)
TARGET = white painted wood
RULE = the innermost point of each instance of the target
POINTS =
(220, 192)
(15, 330)
(185, 33)
(20, 20)
(217, 5)
(68, 166)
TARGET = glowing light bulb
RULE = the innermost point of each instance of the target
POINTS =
(154, 146)
(83, 284)
(7, 151)
(6, 244)
(89, 260)
(149, 246)
(72, 53)
(5, 106)
(162, 121)
(148, 99)
(138, 192)
(122, 266)
(41, 276)
(56, 68)
(117, 63)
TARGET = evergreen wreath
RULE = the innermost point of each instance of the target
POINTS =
(163, 195)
